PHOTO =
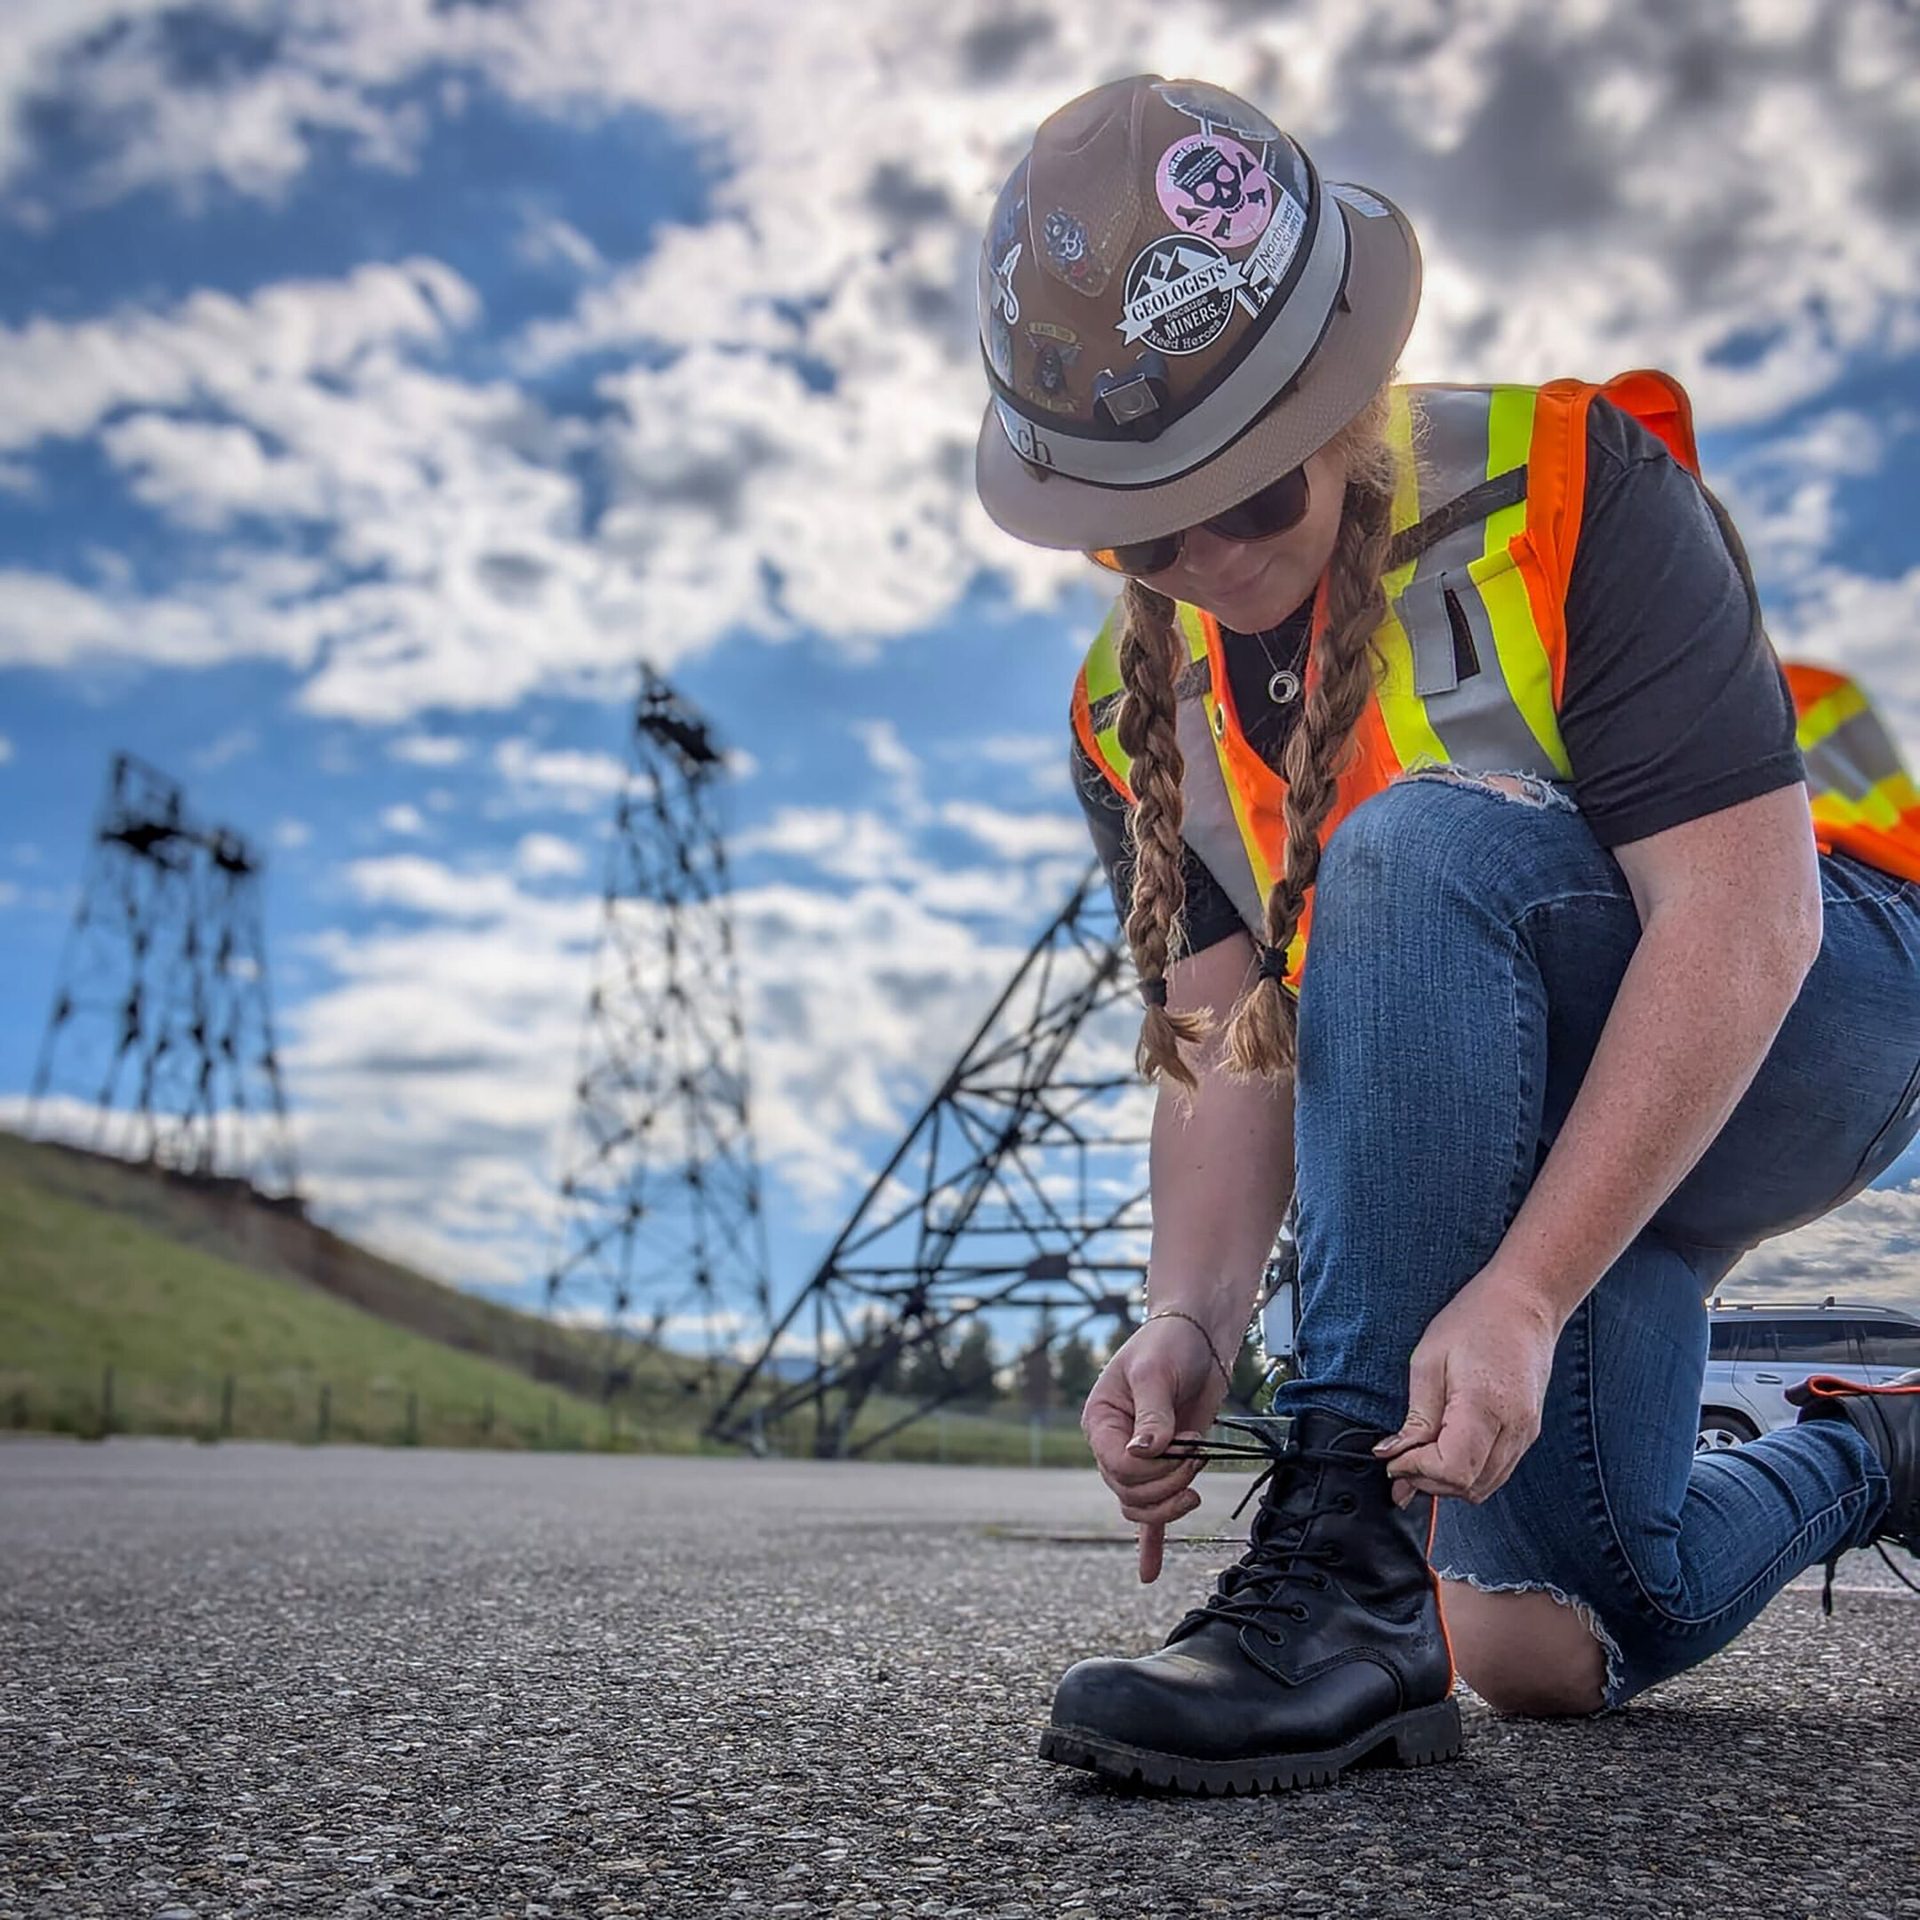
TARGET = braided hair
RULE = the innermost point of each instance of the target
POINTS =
(1261, 1027)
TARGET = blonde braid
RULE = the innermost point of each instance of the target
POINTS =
(1261, 1029)
(1150, 657)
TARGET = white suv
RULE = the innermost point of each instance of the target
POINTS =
(1755, 1352)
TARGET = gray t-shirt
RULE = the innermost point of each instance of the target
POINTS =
(1674, 705)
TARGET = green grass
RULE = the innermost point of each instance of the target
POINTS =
(83, 1290)
(216, 1315)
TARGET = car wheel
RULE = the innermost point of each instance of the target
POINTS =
(1720, 1429)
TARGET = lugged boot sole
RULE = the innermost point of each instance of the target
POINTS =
(1422, 1738)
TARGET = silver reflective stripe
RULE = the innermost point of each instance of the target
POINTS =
(1207, 822)
(1194, 679)
(1853, 759)
(1233, 406)
(1477, 719)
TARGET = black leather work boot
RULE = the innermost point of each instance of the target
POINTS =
(1888, 1418)
(1321, 1647)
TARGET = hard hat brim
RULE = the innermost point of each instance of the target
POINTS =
(1362, 344)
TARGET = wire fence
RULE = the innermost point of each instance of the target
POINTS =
(294, 1405)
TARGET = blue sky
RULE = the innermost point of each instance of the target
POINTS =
(379, 382)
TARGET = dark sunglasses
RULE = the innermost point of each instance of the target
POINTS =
(1278, 505)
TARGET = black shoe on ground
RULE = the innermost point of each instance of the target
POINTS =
(1320, 1648)
(1888, 1418)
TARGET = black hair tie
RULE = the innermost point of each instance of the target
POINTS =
(1273, 963)
(1153, 993)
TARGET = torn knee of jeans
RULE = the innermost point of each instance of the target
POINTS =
(1613, 1683)
(1527, 789)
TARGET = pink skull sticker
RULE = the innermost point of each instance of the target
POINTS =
(1211, 185)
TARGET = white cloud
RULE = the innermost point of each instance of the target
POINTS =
(835, 840)
(235, 744)
(1596, 187)
(1016, 836)
(562, 777)
(1783, 493)
(63, 378)
(291, 834)
(429, 750)
(545, 856)
(6, 750)
(1867, 1251)
(547, 240)
(403, 819)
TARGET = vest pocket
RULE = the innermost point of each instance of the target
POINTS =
(1466, 660)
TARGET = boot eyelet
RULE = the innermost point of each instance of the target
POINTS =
(1298, 1612)
(1349, 1504)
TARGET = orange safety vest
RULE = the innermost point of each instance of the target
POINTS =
(1473, 649)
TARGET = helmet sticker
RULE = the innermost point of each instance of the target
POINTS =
(1266, 266)
(1359, 199)
(999, 304)
(1218, 111)
(1064, 235)
(1179, 294)
(1007, 300)
(1063, 239)
(1212, 185)
(1055, 349)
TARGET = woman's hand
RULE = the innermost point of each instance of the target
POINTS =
(1479, 1380)
(1163, 1382)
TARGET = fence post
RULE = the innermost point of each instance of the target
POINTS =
(413, 1418)
(19, 1408)
(326, 1412)
(106, 1401)
(940, 1429)
(553, 1421)
(1033, 1440)
(613, 1425)
(486, 1417)
(226, 1407)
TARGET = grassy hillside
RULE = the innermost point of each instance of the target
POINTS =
(215, 1314)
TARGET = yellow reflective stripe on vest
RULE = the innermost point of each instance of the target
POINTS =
(1415, 743)
(1853, 766)
(1503, 588)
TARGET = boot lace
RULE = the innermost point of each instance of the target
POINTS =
(1879, 1547)
(1261, 1587)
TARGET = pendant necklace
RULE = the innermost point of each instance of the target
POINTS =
(1283, 685)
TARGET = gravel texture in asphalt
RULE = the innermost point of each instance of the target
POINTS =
(251, 1680)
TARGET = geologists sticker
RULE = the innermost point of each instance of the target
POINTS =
(1179, 294)
(1213, 186)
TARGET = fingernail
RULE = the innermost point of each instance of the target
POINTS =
(1380, 1446)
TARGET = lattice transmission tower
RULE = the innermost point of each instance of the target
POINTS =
(1020, 1188)
(162, 1020)
(662, 1229)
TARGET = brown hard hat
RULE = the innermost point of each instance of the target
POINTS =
(1174, 310)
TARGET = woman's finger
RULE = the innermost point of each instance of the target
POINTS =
(1152, 1546)
(1451, 1463)
(1159, 1512)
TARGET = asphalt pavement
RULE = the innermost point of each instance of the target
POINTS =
(253, 1680)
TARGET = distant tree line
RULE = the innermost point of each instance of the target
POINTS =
(971, 1372)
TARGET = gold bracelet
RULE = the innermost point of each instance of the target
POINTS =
(1160, 1313)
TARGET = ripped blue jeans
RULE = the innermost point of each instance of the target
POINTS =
(1467, 945)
